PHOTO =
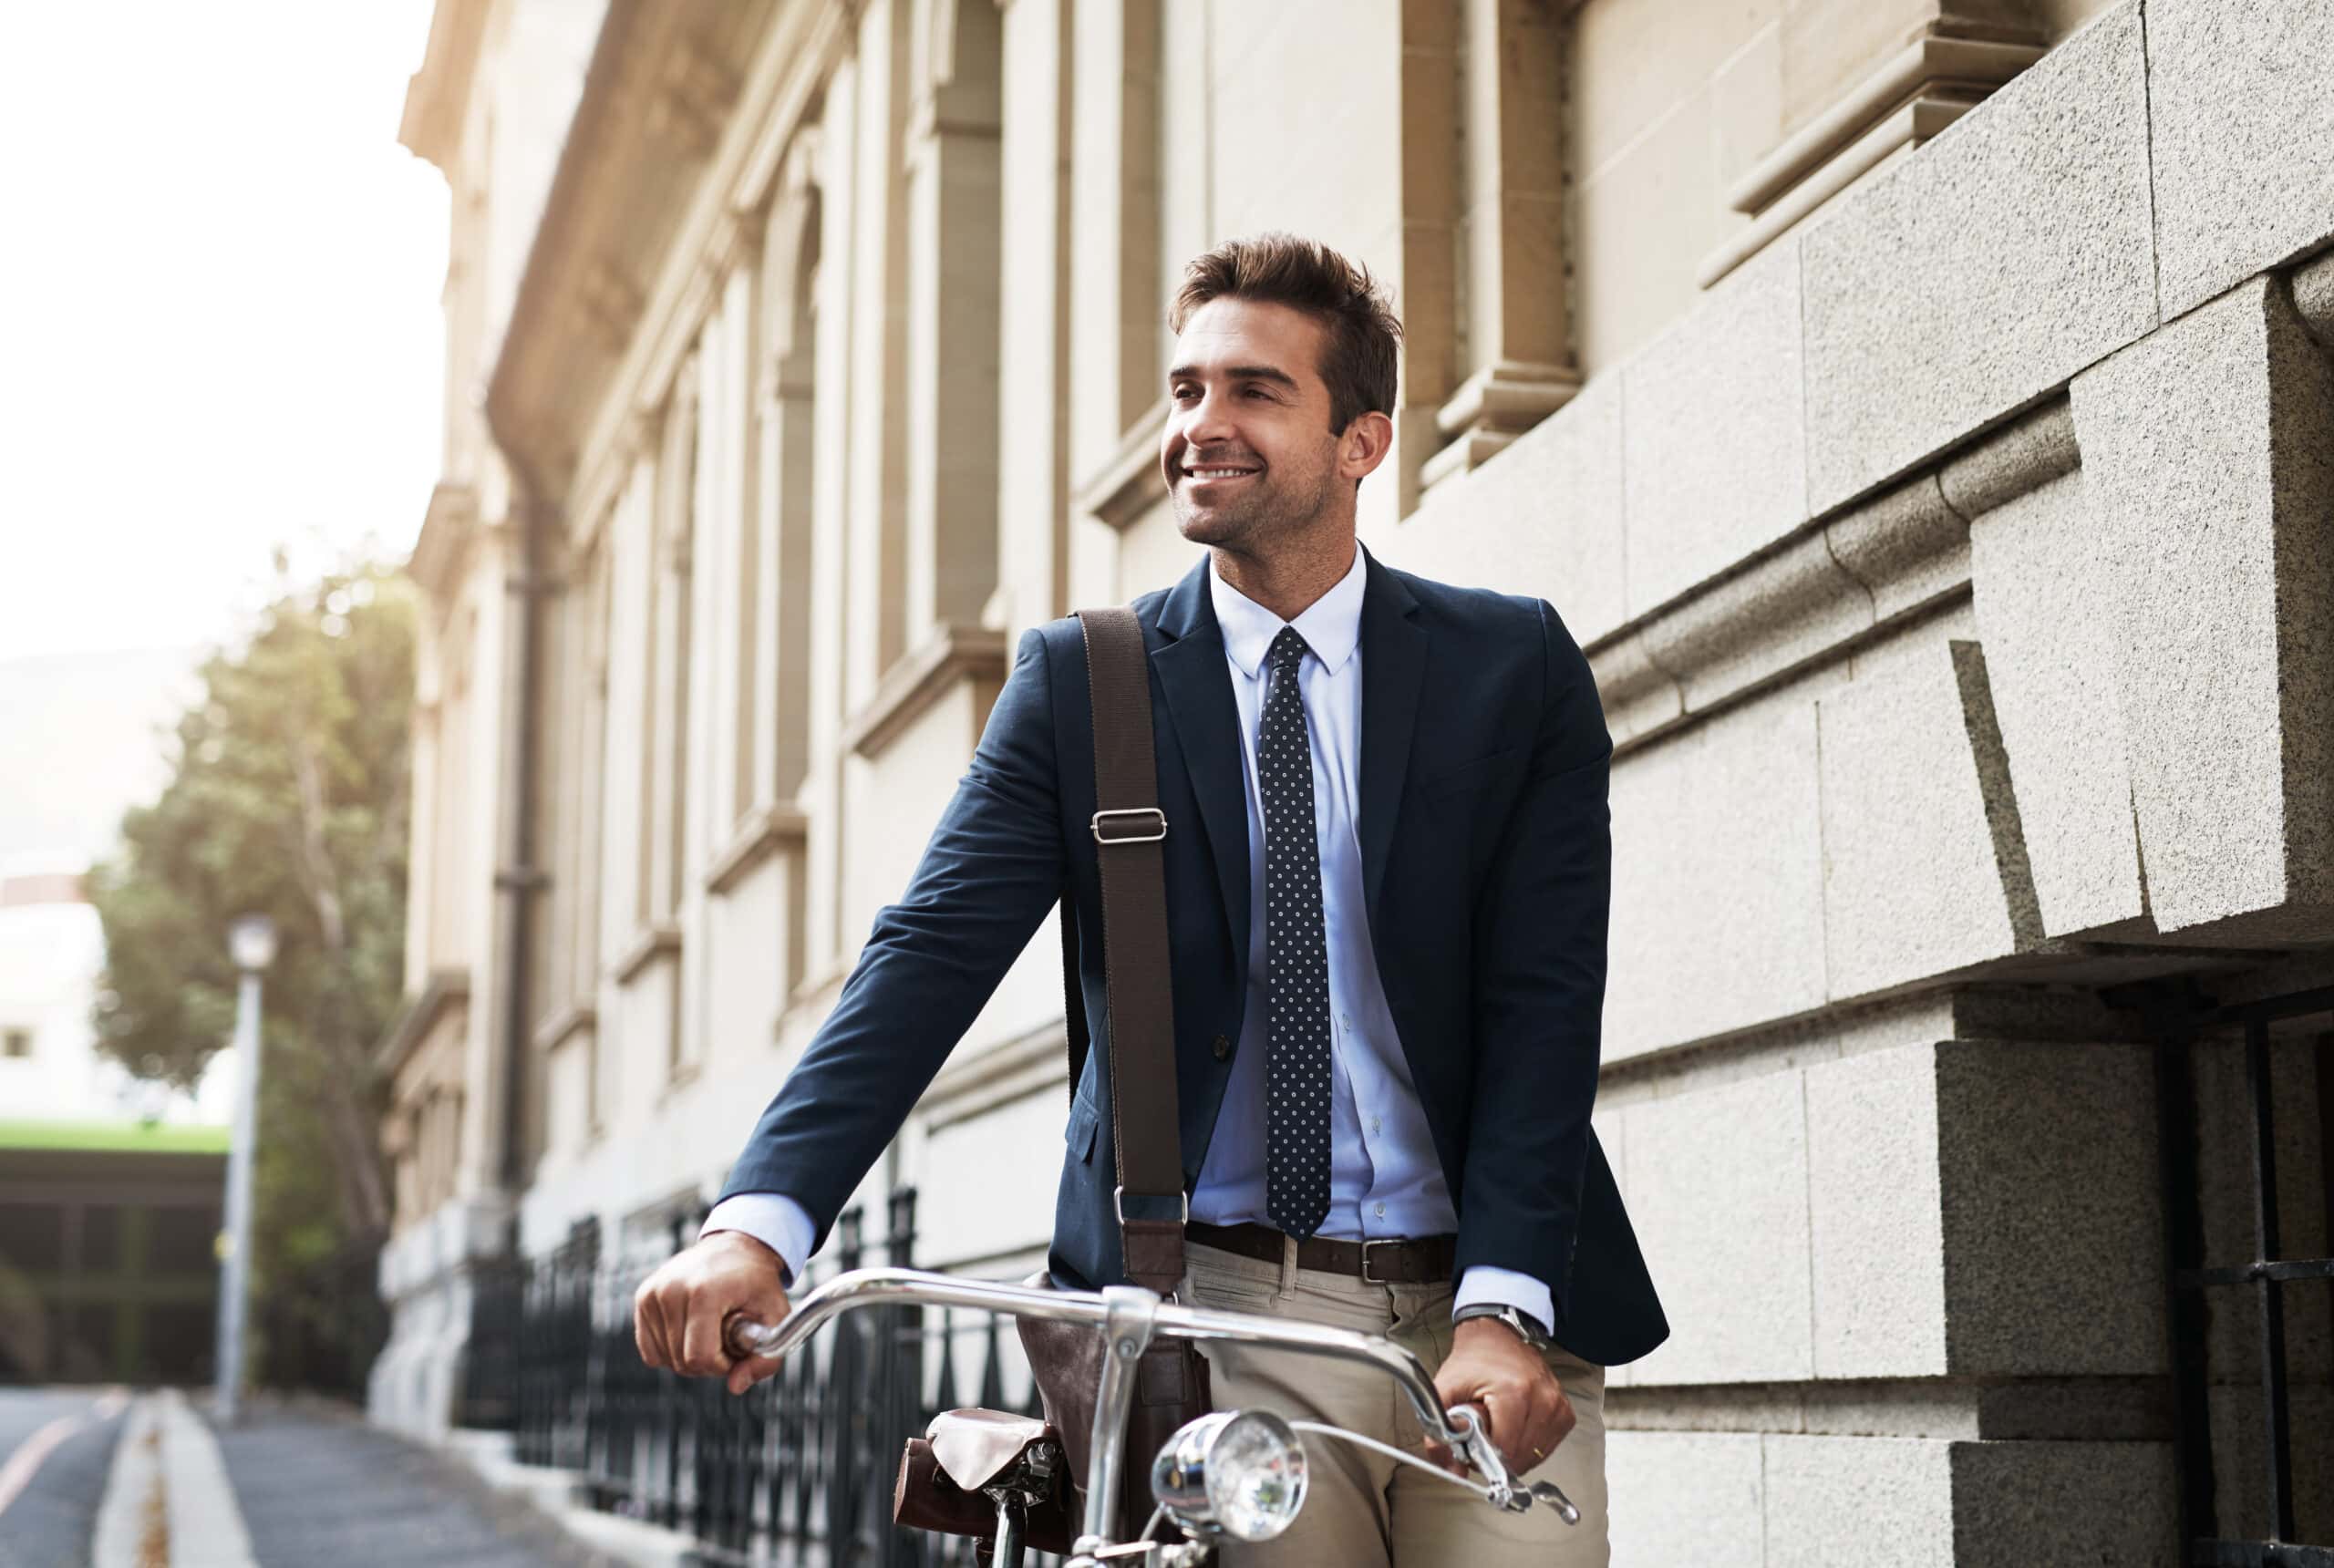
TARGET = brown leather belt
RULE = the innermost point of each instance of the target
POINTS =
(1425, 1260)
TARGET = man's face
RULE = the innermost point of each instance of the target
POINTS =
(1248, 454)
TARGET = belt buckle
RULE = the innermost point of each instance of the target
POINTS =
(1368, 1278)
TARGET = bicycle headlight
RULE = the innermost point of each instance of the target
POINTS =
(1241, 1473)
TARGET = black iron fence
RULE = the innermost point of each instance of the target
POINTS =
(797, 1472)
(2246, 1101)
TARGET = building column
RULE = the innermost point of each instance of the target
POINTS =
(670, 637)
(876, 633)
(492, 720)
(1113, 115)
(835, 562)
(1034, 410)
(955, 220)
(1514, 355)
(786, 416)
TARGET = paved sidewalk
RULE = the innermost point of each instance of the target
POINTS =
(299, 1484)
(316, 1486)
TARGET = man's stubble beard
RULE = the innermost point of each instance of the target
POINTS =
(1255, 527)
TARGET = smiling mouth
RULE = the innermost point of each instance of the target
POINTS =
(1210, 472)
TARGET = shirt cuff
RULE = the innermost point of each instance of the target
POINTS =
(1502, 1287)
(774, 1219)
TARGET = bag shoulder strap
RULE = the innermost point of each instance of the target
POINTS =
(1128, 831)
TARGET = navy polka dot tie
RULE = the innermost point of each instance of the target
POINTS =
(1297, 960)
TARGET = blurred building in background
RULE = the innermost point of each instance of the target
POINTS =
(1919, 411)
(109, 1184)
(52, 961)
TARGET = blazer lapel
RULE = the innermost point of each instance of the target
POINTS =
(1198, 684)
(1393, 668)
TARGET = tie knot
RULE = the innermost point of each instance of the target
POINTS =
(1287, 650)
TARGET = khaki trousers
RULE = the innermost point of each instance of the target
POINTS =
(1363, 1510)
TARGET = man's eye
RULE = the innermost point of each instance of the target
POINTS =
(1185, 394)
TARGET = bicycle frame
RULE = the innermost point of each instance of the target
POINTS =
(1131, 1318)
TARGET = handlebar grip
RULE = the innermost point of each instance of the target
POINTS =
(745, 1338)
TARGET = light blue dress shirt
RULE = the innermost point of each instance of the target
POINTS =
(1385, 1180)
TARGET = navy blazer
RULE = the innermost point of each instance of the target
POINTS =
(1486, 856)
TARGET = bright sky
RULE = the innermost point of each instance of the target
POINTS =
(219, 324)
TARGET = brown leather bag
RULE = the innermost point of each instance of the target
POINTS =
(1171, 1384)
(924, 1496)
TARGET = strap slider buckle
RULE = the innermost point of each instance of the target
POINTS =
(1119, 1200)
(1151, 814)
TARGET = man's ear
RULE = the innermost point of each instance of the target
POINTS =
(1364, 444)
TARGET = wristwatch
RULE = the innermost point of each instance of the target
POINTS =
(1527, 1328)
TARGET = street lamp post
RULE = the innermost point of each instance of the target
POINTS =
(252, 941)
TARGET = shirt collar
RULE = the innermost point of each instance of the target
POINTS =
(1330, 626)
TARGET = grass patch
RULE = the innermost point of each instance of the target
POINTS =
(114, 1137)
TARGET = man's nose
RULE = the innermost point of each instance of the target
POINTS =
(1209, 421)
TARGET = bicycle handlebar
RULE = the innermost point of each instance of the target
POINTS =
(1468, 1437)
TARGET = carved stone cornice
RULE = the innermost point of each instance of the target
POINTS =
(1912, 96)
(643, 433)
(952, 652)
(609, 302)
(624, 193)
(692, 96)
(1129, 484)
(448, 528)
(1492, 407)
(649, 944)
(763, 833)
(436, 96)
(1970, 65)
(735, 242)
(977, 1080)
(444, 989)
(662, 86)
(579, 1017)
(1839, 582)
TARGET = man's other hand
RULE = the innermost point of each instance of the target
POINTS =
(1492, 1369)
(679, 1312)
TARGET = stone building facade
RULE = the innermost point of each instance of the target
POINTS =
(1920, 411)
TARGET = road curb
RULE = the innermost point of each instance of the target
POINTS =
(168, 1502)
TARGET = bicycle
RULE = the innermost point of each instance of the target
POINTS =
(1238, 1474)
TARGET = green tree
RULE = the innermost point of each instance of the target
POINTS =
(289, 798)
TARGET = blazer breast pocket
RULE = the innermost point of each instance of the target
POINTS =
(1469, 775)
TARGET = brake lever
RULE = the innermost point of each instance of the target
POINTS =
(1472, 1430)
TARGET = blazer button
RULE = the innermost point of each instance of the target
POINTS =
(1223, 1049)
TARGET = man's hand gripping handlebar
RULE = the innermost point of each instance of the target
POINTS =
(682, 1314)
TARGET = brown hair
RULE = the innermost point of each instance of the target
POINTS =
(1358, 362)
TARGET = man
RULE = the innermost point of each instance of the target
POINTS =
(1388, 796)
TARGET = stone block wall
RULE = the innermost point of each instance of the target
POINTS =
(1945, 516)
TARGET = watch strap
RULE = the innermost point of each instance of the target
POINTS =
(1527, 1328)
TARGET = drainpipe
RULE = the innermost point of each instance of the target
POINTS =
(487, 1392)
(517, 876)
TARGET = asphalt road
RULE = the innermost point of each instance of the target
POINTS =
(47, 1513)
